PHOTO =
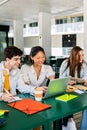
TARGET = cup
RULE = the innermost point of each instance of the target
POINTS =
(38, 93)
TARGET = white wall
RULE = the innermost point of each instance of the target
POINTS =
(31, 41)
(55, 39)
(80, 40)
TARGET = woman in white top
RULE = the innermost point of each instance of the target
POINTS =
(74, 66)
(37, 72)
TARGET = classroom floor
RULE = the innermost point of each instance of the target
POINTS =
(77, 118)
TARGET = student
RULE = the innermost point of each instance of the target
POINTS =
(37, 72)
(9, 67)
(74, 66)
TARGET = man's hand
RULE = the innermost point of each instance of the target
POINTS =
(7, 97)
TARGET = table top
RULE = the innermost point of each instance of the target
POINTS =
(17, 120)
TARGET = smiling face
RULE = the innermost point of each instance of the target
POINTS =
(14, 62)
(39, 58)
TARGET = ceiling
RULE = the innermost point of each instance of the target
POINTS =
(28, 10)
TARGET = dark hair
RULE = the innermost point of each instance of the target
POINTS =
(11, 51)
(73, 62)
(33, 52)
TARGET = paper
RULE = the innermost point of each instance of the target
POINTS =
(79, 91)
(66, 97)
(15, 98)
(29, 106)
(80, 87)
(77, 80)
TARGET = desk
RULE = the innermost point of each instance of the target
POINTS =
(16, 120)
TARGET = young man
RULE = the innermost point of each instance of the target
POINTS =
(9, 67)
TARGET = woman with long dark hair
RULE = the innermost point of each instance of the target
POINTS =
(37, 71)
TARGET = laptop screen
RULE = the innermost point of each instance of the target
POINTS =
(57, 87)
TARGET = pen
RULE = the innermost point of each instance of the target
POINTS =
(6, 90)
(27, 109)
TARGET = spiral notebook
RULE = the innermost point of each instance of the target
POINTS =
(29, 106)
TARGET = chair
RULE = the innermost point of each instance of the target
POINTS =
(57, 66)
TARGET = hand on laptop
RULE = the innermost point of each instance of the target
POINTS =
(44, 89)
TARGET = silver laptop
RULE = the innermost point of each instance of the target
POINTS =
(56, 87)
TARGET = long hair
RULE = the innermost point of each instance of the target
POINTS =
(74, 61)
(33, 52)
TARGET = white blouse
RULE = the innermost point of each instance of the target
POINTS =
(65, 73)
(29, 75)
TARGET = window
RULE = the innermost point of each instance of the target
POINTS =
(3, 39)
(80, 18)
(24, 25)
(34, 24)
(61, 21)
(77, 19)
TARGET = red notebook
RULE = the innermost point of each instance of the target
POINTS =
(29, 106)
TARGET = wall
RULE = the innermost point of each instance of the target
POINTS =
(56, 40)
(80, 40)
(31, 41)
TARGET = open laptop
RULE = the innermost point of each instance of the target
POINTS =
(56, 87)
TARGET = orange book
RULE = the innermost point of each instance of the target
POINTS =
(29, 106)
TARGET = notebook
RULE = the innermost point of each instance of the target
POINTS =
(66, 97)
(29, 106)
(56, 87)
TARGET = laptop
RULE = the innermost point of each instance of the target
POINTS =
(57, 87)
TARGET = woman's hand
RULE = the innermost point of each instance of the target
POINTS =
(44, 89)
(72, 82)
(7, 97)
(85, 82)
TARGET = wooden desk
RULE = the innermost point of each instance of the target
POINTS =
(16, 120)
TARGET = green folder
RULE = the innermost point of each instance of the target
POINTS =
(66, 97)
